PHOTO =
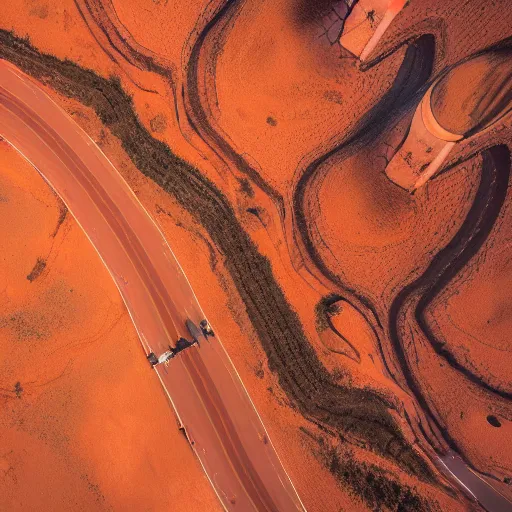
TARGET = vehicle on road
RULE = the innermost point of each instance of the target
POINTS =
(206, 328)
(181, 344)
(194, 331)
(152, 358)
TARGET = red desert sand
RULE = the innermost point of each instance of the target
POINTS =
(368, 325)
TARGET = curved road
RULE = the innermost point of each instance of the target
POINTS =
(207, 394)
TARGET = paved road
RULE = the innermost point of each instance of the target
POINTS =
(209, 398)
(475, 485)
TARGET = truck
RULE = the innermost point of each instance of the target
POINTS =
(206, 328)
(182, 343)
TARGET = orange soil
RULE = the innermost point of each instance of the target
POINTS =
(372, 234)
(315, 485)
(466, 96)
(89, 427)
(284, 98)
